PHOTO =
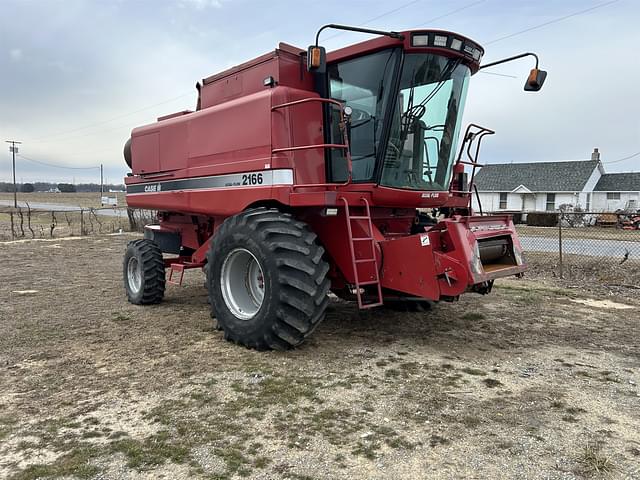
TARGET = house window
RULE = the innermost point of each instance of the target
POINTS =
(503, 201)
(588, 206)
(551, 202)
(613, 195)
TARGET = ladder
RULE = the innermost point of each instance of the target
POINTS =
(374, 276)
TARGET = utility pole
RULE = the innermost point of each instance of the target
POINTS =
(101, 182)
(13, 149)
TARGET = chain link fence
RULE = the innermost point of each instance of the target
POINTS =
(27, 223)
(603, 247)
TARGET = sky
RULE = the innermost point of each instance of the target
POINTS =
(77, 75)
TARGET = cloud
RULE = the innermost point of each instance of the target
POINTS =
(15, 54)
(201, 4)
(110, 66)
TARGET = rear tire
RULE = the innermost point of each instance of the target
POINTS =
(267, 280)
(143, 272)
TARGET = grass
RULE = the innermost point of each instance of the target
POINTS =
(120, 317)
(436, 440)
(593, 461)
(492, 382)
(152, 451)
(473, 316)
(75, 463)
(473, 371)
(471, 421)
(6, 425)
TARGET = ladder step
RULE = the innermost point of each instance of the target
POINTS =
(371, 305)
(368, 231)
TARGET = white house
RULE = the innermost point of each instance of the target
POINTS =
(617, 191)
(545, 186)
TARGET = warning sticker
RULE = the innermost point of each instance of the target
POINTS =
(424, 240)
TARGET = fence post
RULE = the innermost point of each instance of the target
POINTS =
(560, 243)
(81, 222)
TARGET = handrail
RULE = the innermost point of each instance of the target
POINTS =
(343, 130)
(307, 100)
(309, 147)
(468, 142)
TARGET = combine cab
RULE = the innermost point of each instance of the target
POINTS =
(304, 172)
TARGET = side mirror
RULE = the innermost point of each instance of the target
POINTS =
(535, 80)
(316, 59)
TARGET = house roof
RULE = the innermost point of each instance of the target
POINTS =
(568, 176)
(619, 182)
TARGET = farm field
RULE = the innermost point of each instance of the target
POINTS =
(539, 379)
(84, 199)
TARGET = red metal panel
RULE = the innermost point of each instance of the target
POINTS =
(408, 267)
(220, 202)
(283, 64)
(173, 146)
(294, 126)
(230, 133)
(145, 149)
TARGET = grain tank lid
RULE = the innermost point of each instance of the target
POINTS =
(283, 49)
(173, 115)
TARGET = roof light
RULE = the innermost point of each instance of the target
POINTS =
(440, 41)
(447, 41)
(420, 40)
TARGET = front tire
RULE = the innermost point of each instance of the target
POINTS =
(143, 272)
(267, 280)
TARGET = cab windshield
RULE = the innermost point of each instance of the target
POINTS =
(426, 123)
(412, 130)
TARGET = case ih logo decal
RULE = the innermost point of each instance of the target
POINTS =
(283, 176)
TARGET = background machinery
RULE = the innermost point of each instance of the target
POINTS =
(304, 172)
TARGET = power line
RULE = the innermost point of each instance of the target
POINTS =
(378, 17)
(57, 166)
(498, 74)
(622, 159)
(555, 20)
(366, 22)
(469, 5)
(14, 150)
(88, 134)
(102, 122)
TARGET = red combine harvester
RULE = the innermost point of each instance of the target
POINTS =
(304, 172)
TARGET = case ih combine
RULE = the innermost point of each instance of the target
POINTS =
(304, 172)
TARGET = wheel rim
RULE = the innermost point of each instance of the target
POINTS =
(134, 275)
(242, 283)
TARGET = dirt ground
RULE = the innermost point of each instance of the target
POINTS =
(537, 380)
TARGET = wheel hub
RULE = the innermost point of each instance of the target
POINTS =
(134, 275)
(242, 283)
